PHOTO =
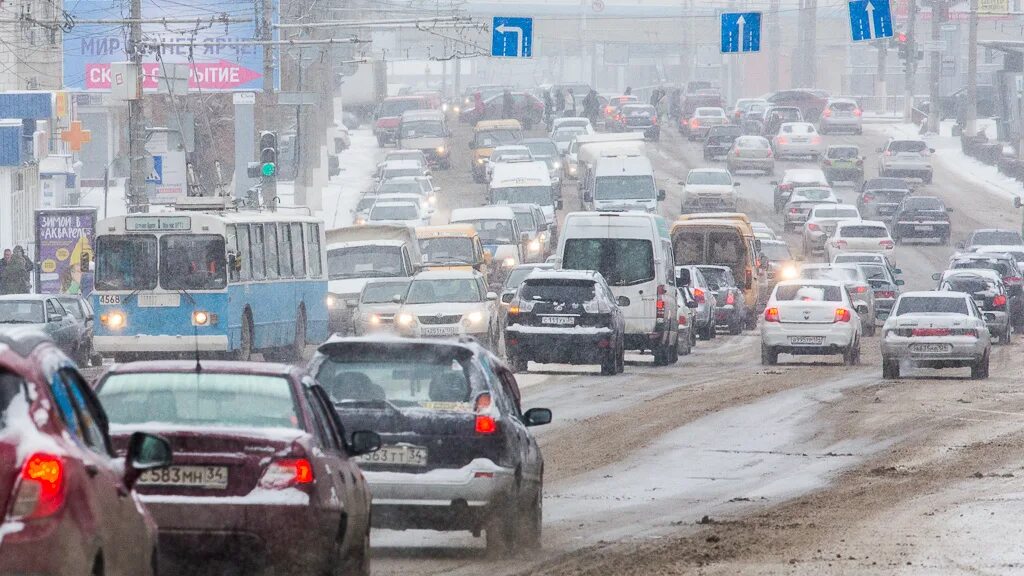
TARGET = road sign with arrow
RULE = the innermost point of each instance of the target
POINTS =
(870, 19)
(741, 32)
(512, 37)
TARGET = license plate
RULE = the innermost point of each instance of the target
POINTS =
(558, 320)
(932, 348)
(923, 228)
(807, 340)
(110, 299)
(159, 300)
(396, 455)
(211, 477)
(442, 331)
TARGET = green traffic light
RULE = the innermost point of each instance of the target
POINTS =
(268, 169)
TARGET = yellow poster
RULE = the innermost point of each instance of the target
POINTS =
(993, 6)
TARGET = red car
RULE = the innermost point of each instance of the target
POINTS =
(67, 507)
(262, 481)
(389, 113)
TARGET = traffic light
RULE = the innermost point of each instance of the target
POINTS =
(901, 45)
(268, 154)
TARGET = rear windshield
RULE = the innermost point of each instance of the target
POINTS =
(10, 387)
(390, 108)
(875, 273)
(931, 304)
(809, 293)
(622, 261)
(996, 238)
(887, 196)
(719, 276)
(843, 106)
(21, 312)
(497, 137)
(1002, 267)
(924, 204)
(844, 153)
(383, 292)
(705, 112)
(814, 194)
(839, 274)
(550, 290)
(752, 142)
(542, 149)
(441, 383)
(776, 252)
(971, 284)
(907, 146)
(836, 213)
(200, 399)
(720, 248)
(864, 232)
(634, 110)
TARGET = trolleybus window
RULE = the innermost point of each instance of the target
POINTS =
(313, 243)
(298, 253)
(126, 262)
(259, 268)
(270, 242)
(284, 250)
(243, 251)
(192, 262)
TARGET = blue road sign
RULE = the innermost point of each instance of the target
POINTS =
(741, 32)
(512, 37)
(157, 175)
(870, 19)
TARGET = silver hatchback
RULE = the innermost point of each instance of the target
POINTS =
(841, 115)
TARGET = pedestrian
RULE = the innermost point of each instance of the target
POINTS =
(5, 260)
(507, 105)
(591, 106)
(479, 109)
(559, 101)
(16, 279)
(628, 92)
(570, 105)
(548, 109)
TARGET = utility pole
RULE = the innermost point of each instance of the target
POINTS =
(137, 198)
(971, 113)
(774, 54)
(811, 47)
(911, 62)
(881, 86)
(940, 10)
(269, 99)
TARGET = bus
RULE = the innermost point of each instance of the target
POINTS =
(215, 284)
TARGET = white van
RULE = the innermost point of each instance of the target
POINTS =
(525, 183)
(623, 183)
(633, 251)
(499, 233)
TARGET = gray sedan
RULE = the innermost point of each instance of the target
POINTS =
(45, 313)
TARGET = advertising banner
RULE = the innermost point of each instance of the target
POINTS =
(63, 236)
(89, 49)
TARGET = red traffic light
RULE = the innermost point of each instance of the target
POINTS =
(901, 37)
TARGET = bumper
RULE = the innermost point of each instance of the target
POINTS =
(159, 344)
(922, 229)
(442, 499)
(562, 346)
(795, 219)
(751, 163)
(841, 124)
(385, 134)
(797, 150)
(907, 170)
(834, 173)
(285, 535)
(834, 338)
(963, 351)
(442, 332)
(708, 205)
(728, 314)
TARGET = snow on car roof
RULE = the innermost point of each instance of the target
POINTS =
(551, 273)
(933, 294)
(482, 213)
(402, 164)
(810, 282)
(983, 272)
(432, 274)
(872, 223)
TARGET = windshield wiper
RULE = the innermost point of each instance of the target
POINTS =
(18, 322)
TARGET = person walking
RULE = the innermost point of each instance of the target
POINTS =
(570, 105)
(591, 106)
(549, 111)
(507, 105)
(559, 101)
(628, 92)
(3, 264)
(16, 274)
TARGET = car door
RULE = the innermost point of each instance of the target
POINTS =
(526, 448)
(333, 495)
(125, 540)
(57, 325)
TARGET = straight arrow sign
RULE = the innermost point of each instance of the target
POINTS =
(870, 19)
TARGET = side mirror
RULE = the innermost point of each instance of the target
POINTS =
(774, 182)
(363, 442)
(145, 452)
(588, 196)
(661, 194)
(931, 150)
(862, 308)
(1017, 202)
(683, 278)
(692, 304)
(682, 183)
(936, 276)
(950, 210)
(622, 301)
(961, 245)
(558, 204)
(507, 297)
(56, 318)
(736, 184)
(897, 271)
(537, 417)
(351, 303)
(397, 298)
(899, 282)
(492, 296)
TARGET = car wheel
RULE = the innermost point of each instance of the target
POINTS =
(769, 356)
(531, 527)
(684, 346)
(980, 369)
(673, 352)
(848, 355)
(501, 530)
(890, 369)
(622, 358)
(357, 564)
(610, 363)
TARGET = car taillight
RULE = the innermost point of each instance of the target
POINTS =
(999, 300)
(857, 112)
(794, 210)
(925, 152)
(287, 472)
(930, 332)
(827, 112)
(885, 294)
(868, 197)
(40, 492)
(964, 332)
(785, 187)
(769, 153)
(860, 289)
(813, 227)
(771, 314)
(816, 140)
(842, 315)
(660, 304)
(826, 162)
(654, 120)
(1012, 280)
(886, 244)
(694, 123)
(888, 152)
(730, 299)
(840, 244)
(682, 320)
(608, 110)
(781, 140)
(485, 423)
(698, 295)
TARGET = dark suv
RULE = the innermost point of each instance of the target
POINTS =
(720, 139)
(921, 217)
(879, 197)
(457, 452)
(565, 317)
(65, 503)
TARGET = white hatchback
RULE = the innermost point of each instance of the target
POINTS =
(861, 236)
(810, 317)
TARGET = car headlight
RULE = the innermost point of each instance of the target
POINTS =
(508, 262)
(474, 317)
(440, 149)
(432, 199)
(457, 109)
(114, 320)
(534, 245)
(480, 160)
(558, 165)
(405, 319)
(444, 107)
(788, 272)
(332, 300)
(360, 221)
(543, 237)
(374, 319)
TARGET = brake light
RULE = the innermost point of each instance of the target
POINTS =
(857, 112)
(842, 315)
(286, 473)
(930, 332)
(885, 294)
(886, 244)
(485, 423)
(1012, 279)
(660, 304)
(827, 112)
(840, 244)
(826, 162)
(771, 314)
(698, 295)
(785, 187)
(888, 153)
(682, 320)
(654, 120)
(769, 153)
(781, 140)
(794, 210)
(730, 299)
(41, 491)
(816, 140)
(999, 300)
(925, 152)
(868, 197)
(860, 289)
(618, 117)
(608, 110)
(694, 123)
(813, 227)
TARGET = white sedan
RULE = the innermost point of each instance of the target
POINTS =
(802, 201)
(810, 317)
(450, 304)
(798, 139)
(935, 330)
(861, 236)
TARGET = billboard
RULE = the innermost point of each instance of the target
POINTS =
(89, 49)
(63, 235)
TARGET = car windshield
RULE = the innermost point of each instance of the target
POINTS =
(400, 187)
(839, 274)
(809, 293)
(21, 312)
(126, 262)
(897, 146)
(721, 277)
(996, 238)
(812, 194)
(864, 232)
(199, 399)
(390, 173)
(830, 212)
(1002, 267)
(542, 149)
(433, 383)
(422, 129)
(930, 305)
(567, 134)
(394, 212)
(539, 195)
(516, 277)
(493, 231)
(708, 177)
(526, 221)
(364, 262)
(552, 290)
(843, 153)
(622, 261)
(391, 108)
(625, 188)
(776, 251)
(506, 155)
(447, 250)
(493, 138)
(444, 290)
(383, 292)
(192, 262)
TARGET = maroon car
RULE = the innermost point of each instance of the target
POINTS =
(262, 481)
(389, 113)
(66, 505)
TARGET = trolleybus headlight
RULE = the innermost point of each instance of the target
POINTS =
(331, 301)
(203, 318)
(113, 320)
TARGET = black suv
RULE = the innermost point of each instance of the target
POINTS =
(776, 116)
(879, 197)
(565, 317)
(921, 217)
(720, 139)
(456, 450)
